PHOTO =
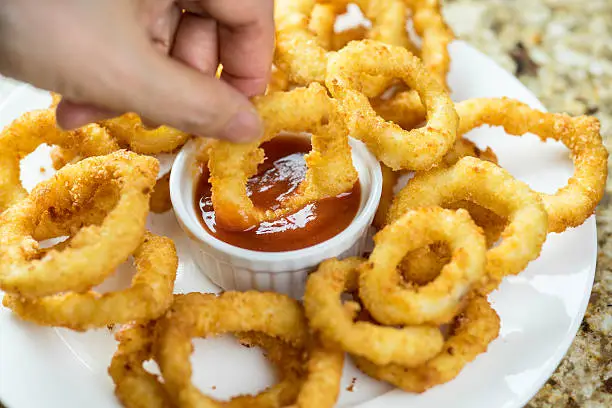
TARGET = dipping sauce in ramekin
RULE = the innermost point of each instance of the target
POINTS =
(234, 268)
(277, 178)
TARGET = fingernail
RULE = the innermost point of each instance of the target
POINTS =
(245, 126)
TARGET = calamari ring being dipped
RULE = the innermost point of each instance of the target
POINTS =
(148, 297)
(330, 319)
(476, 327)
(416, 149)
(201, 315)
(95, 250)
(491, 187)
(572, 204)
(330, 166)
(29, 131)
(380, 283)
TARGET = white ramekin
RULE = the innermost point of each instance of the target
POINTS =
(234, 268)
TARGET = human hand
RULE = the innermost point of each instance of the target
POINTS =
(144, 56)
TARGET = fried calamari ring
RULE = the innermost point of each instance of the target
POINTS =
(423, 265)
(417, 149)
(147, 298)
(491, 187)
(29, 131)
(322, 21)
(134, 386)
(572, 204)
(278, 81)
(328, 317)
(130, 132)
(299, 51)
(389, 178)
(137, 388)
(342, 38)
(388, 19)
(95, 250)
(466, 148)
(435, 34)
(324, 371)
(405, 108)
(160, 197)
(489, 221)
(330, 166)
(201, 315)
(437, 302)
(60, 157)
(473, 330)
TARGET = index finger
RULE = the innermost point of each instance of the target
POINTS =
(246, 40)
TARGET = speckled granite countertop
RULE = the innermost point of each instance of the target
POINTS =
(562, 51)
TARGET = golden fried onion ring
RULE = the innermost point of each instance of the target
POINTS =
(416, 149)
(330, 166)
(572, 204)
(148, 297)
(462, 148)
(322, 21)
(405, 108)
(389, 180)
(95, 250)
(473, 330)
(29, 131)
(305, 34)
(134, 386)
(435, 34)
(201, 315)
(278, 81)
(328, 317)
(129, 131)
(491, 187)
(160, 201)
(380, 286)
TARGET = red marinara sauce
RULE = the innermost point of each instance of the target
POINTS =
(278, 177)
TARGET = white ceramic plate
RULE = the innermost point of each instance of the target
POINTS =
(540, 310)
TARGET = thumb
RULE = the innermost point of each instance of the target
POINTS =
(165, 91)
